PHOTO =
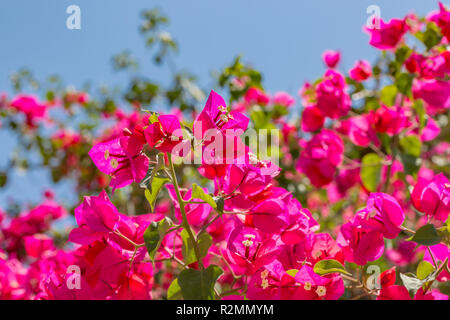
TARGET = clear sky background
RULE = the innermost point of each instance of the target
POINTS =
(282, 38)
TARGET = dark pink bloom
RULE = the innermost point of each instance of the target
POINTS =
(442, 19)
(388, 35)
(361, 71)
(30, 106)
(383, 214)
(390, 120)
(433, 197)
(196, 213)
(394, 293)
(430, 131)
(270, 216)
(37, 244)
(219, 130)
(165, 134)
(315, 287)
(403, 254)
(331, 58)
(256, 96)
(247, 250)
(332, 97)
(312, 119)
(359, 243)
(283, 99)
(272, 283)
(122, 159)
(359, 130)
(321, 156)
(436, 93)
(96, 218)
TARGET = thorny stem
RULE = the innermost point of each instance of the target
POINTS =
(182, 203)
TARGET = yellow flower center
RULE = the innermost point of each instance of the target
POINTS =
(307, 286)
(264, 283)
(321, 291)
(114, 163)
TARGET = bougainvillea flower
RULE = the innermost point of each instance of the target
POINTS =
(390, 120)
(388, 35)
(387, 277)
(312, 119)
(360, 244)
(218, 130)
(433, 198)
(283, 99)
(332, 97)
(270, 216)
(430, 131)
(360, 131)
(315, 287)
(37, 244)
(165, 134)
(196, 213)
(403, 254)
(436, 93)
(319, 159)
(361, 71)
(96, 217)
(30, 106)
(301, 222)
(331, 58)
(442, 19)
(383, 214)
(122, 159)
(247, 251)
(256, 96)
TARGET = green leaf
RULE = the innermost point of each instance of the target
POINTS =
(371, 171)
(403, 82)
(424, 269)
(411, 145)
(323, 267)
(152, 193)
(411, 164)
(154, 235)
(199, 193)
(3, 179)
(199, 284)
(174, 291)
(420, 112)
(431, 36)
(388, 94)
(427, 236)
(220, 203)
(292, 272)
(402, 54)
(204, 241)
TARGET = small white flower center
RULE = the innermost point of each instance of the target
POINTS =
(321, 291)
(307, 286)
(114, 163)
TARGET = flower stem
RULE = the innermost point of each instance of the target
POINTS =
(182, 203)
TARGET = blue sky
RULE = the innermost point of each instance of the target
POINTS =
(284, 39)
